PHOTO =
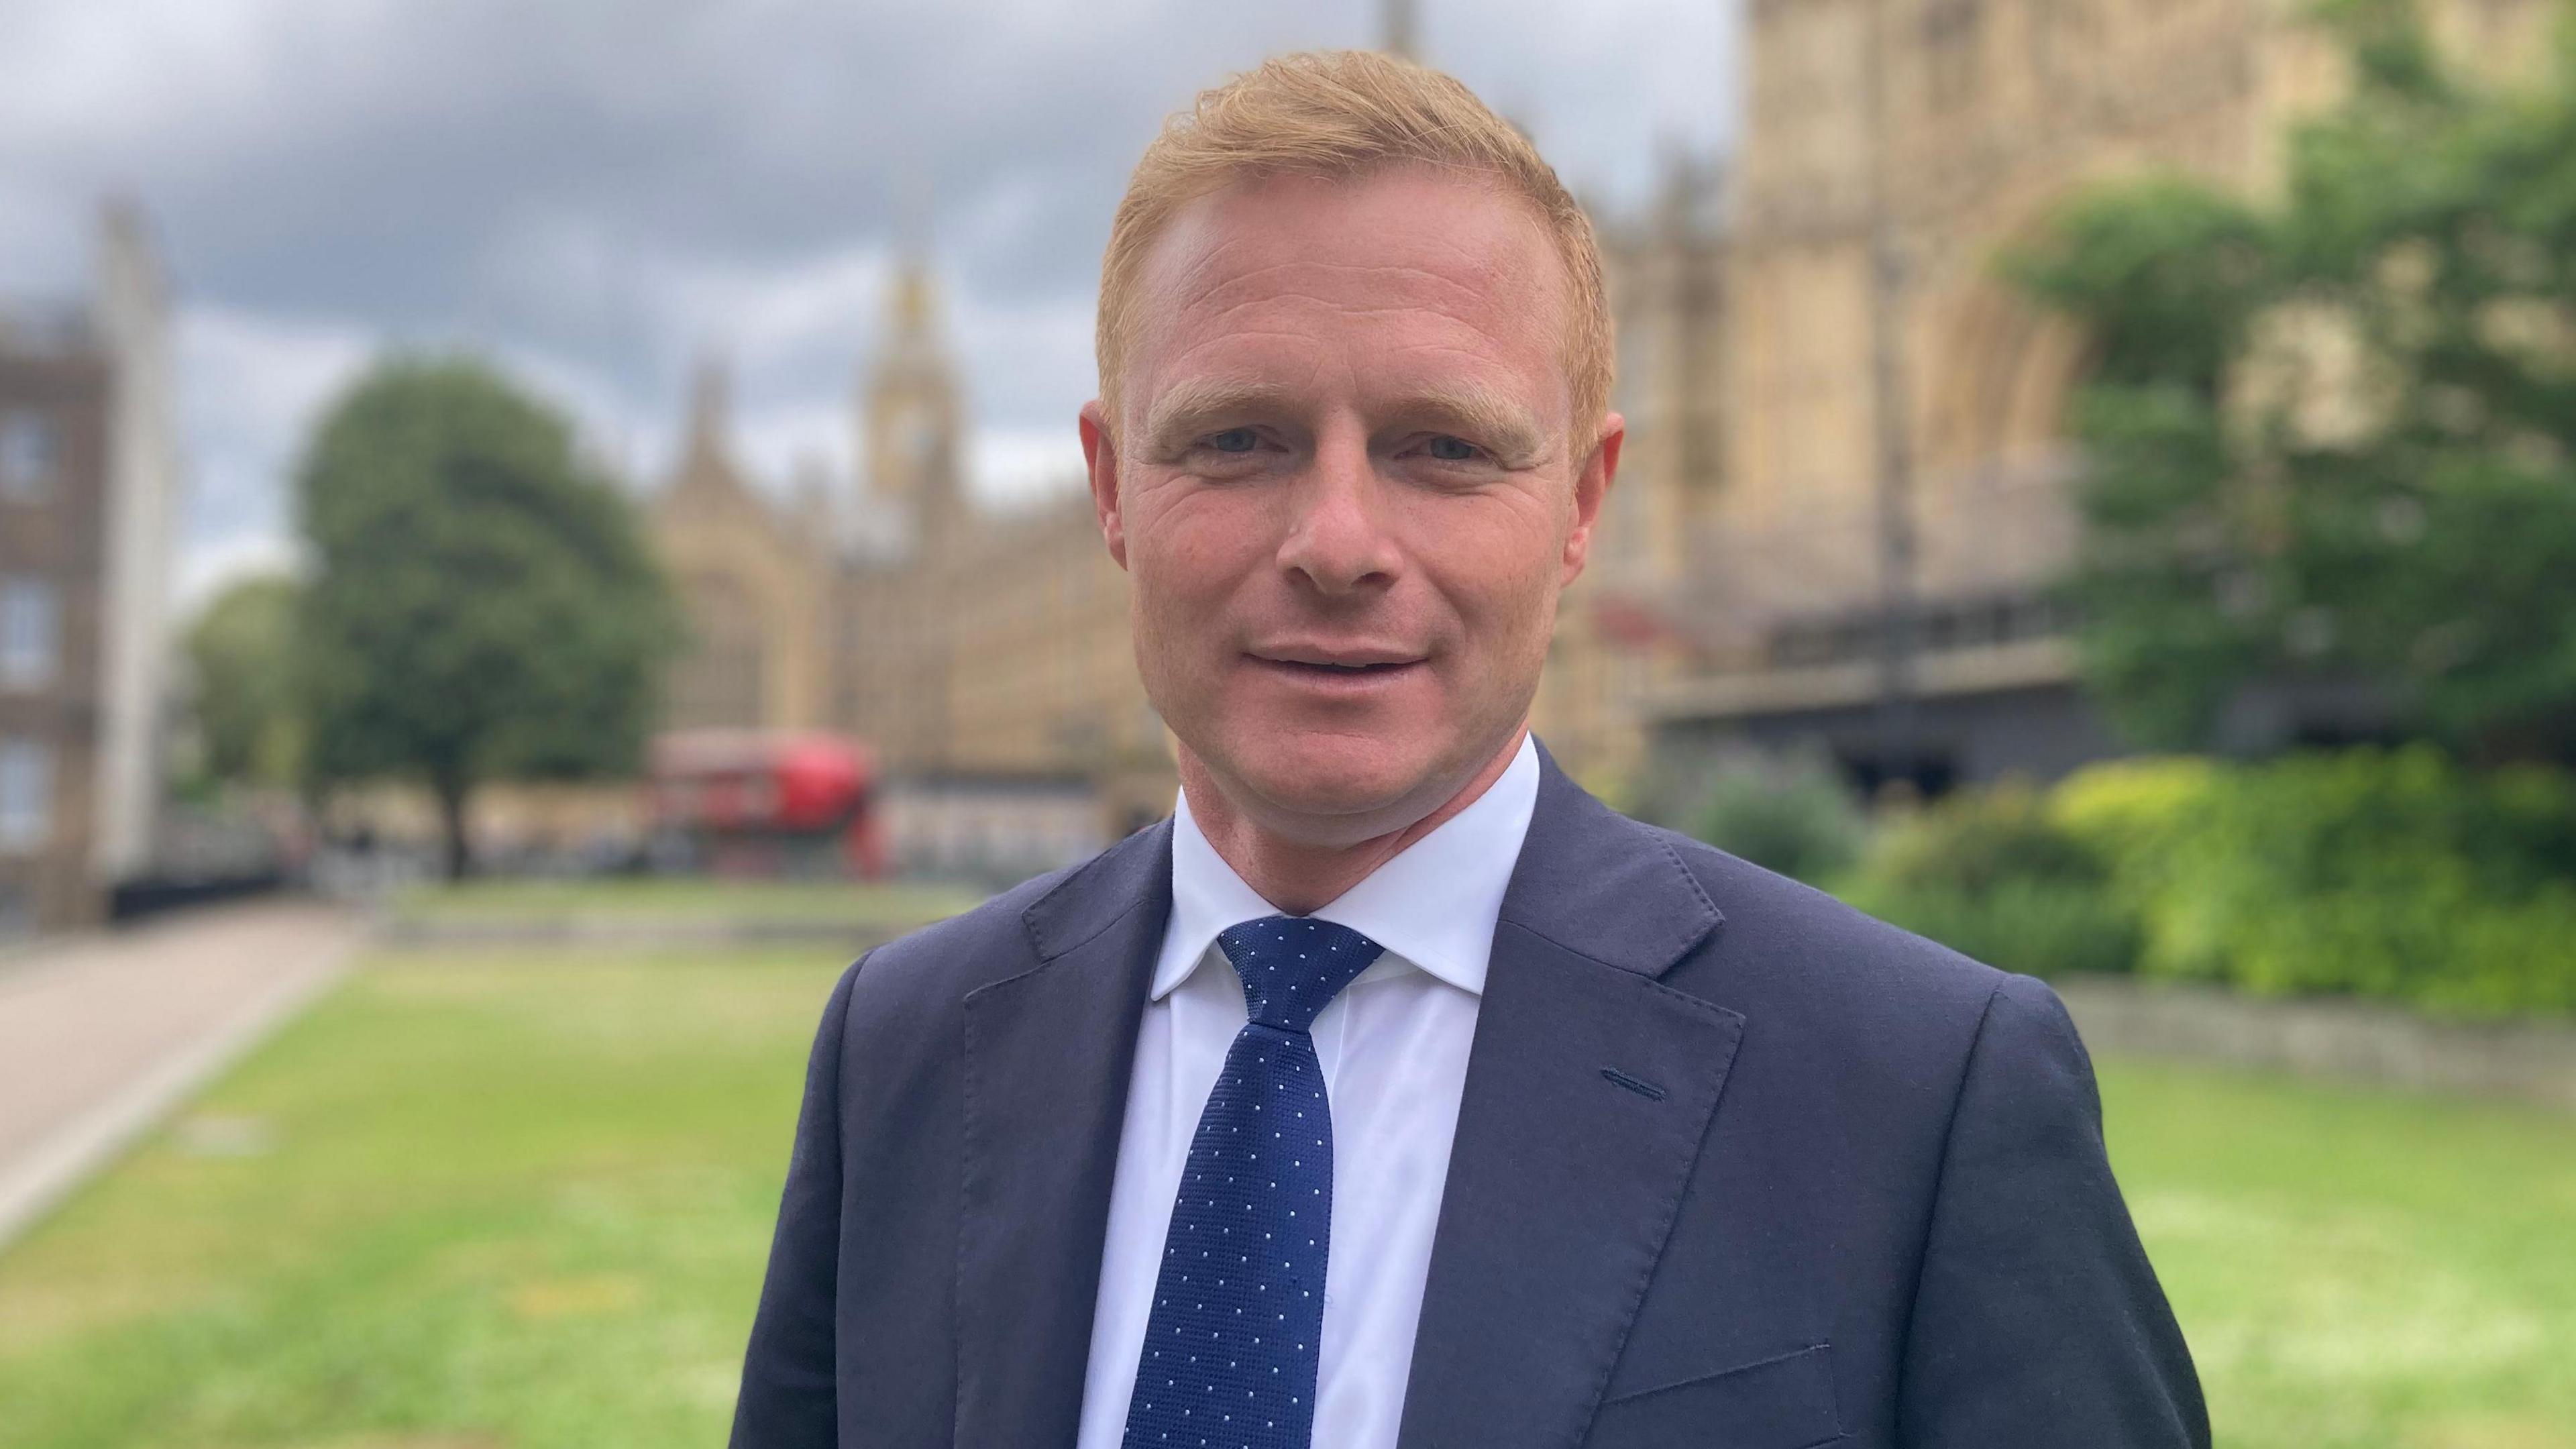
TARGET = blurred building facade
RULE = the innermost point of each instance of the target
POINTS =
(1625, 631)
(978, 653)
(1865, 553)
(88, 493)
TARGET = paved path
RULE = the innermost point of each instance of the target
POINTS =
(101, 1035)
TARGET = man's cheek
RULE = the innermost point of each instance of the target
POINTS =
(1197, 553)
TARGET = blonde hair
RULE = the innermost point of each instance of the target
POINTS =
(1340, 114)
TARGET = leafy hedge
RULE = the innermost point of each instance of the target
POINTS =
(1989, 874)
(2371, 873)
(2396, 875)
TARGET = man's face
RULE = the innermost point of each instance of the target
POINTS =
(1346, 484)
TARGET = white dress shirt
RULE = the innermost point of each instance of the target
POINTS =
(1393, 1046)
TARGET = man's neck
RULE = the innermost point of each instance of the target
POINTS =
(1300, 877)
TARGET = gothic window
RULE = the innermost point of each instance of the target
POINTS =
(920, 435)
(2062, 34)
(29, 628)
(1952, 30)
(720, 680)
(28, 454)
(26, 794)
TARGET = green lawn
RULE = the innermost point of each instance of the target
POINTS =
(2358, 1268)
(488, 1200)
(477, 1201)
(892, 906)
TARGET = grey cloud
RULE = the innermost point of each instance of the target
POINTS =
(586, 182)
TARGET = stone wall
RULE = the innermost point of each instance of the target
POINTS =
(2331, 1039)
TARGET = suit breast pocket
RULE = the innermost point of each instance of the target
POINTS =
(1785, 1402)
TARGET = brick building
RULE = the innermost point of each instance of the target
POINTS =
(87, 473)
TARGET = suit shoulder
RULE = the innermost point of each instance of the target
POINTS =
(1004, 936)
(991, 934)
(1773, 919)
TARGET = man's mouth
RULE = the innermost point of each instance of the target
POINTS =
(1322, 667)
(1380, 667)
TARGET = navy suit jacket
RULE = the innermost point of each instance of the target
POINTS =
(1735, 1166)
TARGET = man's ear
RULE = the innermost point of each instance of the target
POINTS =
(1592, 484)
(1100, 458)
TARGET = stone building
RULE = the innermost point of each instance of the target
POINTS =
(757, 588)
(1626, 629)
(975, 652)
(991, 646)
(87, 496)
(1892, 414)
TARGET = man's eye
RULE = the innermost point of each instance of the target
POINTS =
(1235, 440)
(1452, 450)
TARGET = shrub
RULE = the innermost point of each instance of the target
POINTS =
(1976, 840)
(2375, 873)
(1792, 815)
(1989, 874)
(2020, 925)
(2396, 875)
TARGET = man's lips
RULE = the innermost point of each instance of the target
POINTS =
(1353, 668)
(1353, 654)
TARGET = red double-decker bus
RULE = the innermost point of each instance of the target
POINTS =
(768, 802)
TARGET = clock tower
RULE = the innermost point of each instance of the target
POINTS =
(910, 409)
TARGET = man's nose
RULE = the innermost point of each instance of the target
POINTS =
(1339, 538)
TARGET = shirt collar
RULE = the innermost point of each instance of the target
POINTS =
(1433, 905)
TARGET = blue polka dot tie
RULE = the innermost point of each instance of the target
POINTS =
(1230, 1348)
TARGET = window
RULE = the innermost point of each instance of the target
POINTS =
(29, 627)
(1951, 36)
(26, 794)
(28, 454)
(2065, 39)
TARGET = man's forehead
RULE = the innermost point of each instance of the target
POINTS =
(1431, 259)
(1462, 241)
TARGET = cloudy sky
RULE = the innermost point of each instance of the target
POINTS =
(597, 192)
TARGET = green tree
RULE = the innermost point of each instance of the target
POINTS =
(241, 651)
(483, 606)
(2335, 434)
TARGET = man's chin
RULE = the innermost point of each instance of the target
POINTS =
(1353, 782)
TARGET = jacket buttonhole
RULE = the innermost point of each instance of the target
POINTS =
(1645, 1089)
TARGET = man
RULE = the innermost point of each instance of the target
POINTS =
(1397, 1092)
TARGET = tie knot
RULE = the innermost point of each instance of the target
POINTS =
(1293, 965)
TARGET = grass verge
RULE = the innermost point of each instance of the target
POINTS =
(886, 907)
(478, 1200)
(469, 1200)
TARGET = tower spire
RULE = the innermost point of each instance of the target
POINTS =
(1398, 33)
(910, 302)
(912, 213)
(909, 406)
(710, 414)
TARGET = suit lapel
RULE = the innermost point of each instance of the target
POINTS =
(1048, 1054)
(1589, 1090)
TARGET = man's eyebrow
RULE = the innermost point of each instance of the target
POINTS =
(1484, 417)
(1188, 406)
